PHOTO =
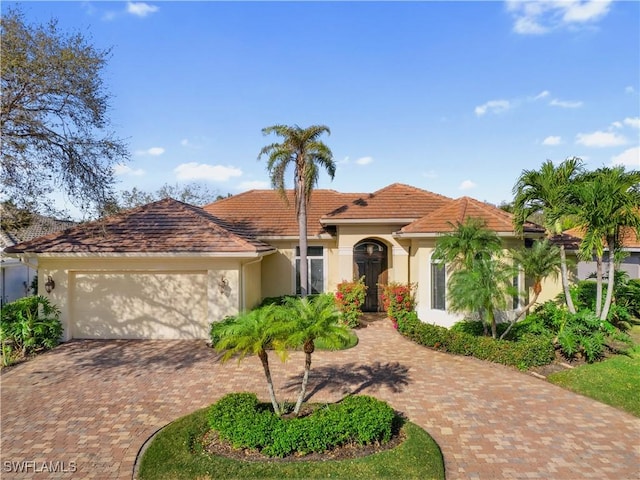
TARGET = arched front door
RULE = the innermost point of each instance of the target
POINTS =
(370, 258)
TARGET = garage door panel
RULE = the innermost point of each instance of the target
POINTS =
(162, 305)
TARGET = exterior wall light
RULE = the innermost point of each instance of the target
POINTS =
(223, 285)
(50, 284)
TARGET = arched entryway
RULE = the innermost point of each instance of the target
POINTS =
(370, 259)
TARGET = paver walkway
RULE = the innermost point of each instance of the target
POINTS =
(89, 406)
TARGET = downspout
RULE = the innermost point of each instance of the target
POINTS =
(409, 266)
(244, 281)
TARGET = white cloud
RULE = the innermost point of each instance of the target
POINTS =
(202, 171)
(153, 151)
(600, 139)
(467, 185)
(565, 104)
(616, 125)
(430, 174)
(632, 122)
(253, 185)
(121, 169)
(628, 158)
(364, 160)
(552, 140)
(629, 90)
(493, 106)
(541, 95)
(140, 9)
(536, 17)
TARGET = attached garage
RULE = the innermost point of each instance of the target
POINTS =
(166, 270)
(162, 305)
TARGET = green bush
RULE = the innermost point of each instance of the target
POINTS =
(246, 423)
(27, 325)
(529, 351)
(217, 327)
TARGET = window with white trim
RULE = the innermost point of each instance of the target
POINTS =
(438, 285)
(315, 262)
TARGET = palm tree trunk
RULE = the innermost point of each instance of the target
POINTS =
(598, 286)
(305, 381)
(522, 312)
(610, 280)
(492, 319)
(267, 373)
(565, 280)
(302, 228)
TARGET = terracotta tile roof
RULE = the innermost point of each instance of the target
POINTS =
(459, 210)
(629, 237)
(166, 226)
(264, 213)
(397, 201)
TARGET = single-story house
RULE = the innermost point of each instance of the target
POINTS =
(168, 269)
(586, 269)
(16, 277)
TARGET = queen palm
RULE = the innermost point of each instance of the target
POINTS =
(603, 203)
(540, 261)
(300, 147)
(252, 333)
(313, 319)
(547, 191)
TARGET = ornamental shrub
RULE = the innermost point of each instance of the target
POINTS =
(529, 351)
(350, 298)
(397, 299)
(246, 423)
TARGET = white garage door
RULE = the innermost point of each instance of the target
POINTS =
(158, 305)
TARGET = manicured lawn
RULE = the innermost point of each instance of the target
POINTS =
(615, 381)
(175, 453)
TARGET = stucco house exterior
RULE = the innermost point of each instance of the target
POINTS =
(168, 269)
(585, 269)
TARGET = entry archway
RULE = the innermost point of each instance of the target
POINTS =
(370, 258)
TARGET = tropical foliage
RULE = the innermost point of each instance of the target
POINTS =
(398, 299)
(27, 325)
(301, 148)
(547, 191)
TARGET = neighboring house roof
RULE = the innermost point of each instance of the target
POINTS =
(264, 213)
(166, 226)
(38, 226)
(394, 202)
(630, 239)
(457, 211)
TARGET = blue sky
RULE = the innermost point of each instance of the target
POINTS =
(453, 97)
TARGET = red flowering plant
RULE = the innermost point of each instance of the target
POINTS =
(398, 299)
(350, 299)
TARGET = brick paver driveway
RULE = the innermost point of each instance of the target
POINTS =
(89, 406)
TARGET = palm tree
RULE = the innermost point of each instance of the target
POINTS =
(547, 191)
(313, 319)
(605, 202)
(483, 288)
(467, 242)
(300, 147)
(252, 333)
(540, 261)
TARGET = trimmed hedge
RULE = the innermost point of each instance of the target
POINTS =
(246, 423)
(530, 351)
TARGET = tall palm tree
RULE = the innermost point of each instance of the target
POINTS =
(300, 147)
(252, 333)
(467, 242)
(540, 261)
(313, 319)
(547, 191)
(606, 201)
(483, 289)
